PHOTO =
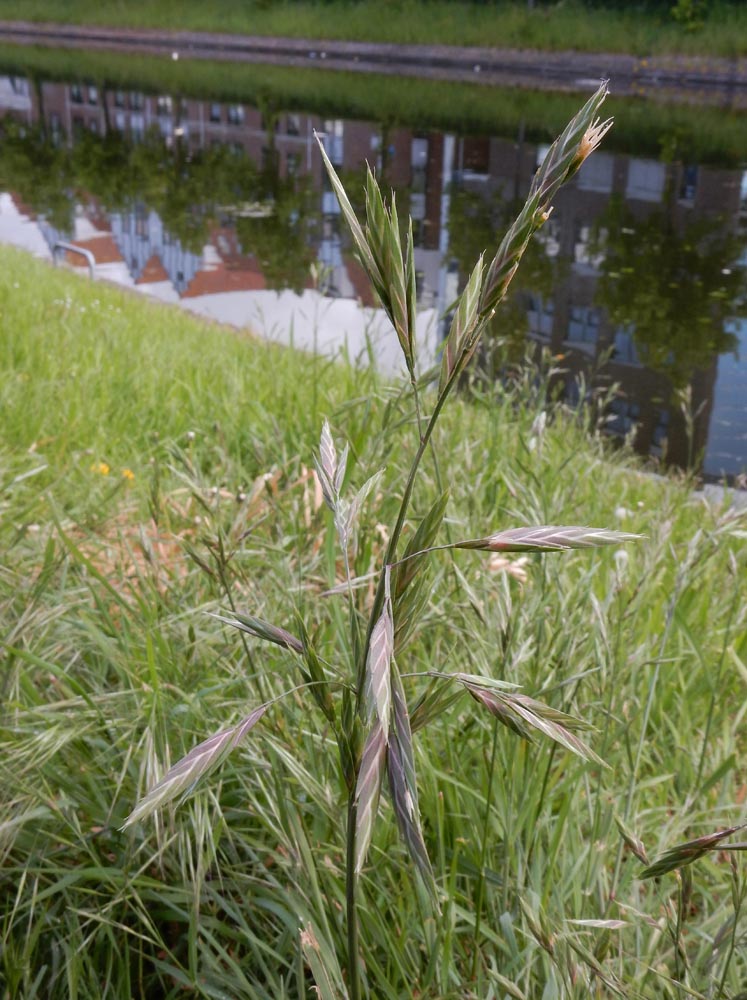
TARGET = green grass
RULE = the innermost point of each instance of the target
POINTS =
(564, 26)
(110, 668)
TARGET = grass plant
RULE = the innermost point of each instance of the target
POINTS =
(570, 26)
(110, 671)
(370, 720)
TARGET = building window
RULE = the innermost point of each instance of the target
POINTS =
(646, 179)
(476, 155)
(548, 237)
(93, 95)
(417, 206)
(596, 174)
(137, 101)
(625, 351)
(583, 327)
(334, 129)
(235, 114)
(623, 416)
(164, 105)
(293, 125)
(215, 113)
(119, 99)
(137, 127)
(419, 153)
(688, 183)
(540, 314)
(76, 93)
(293, 164)
(330, 204)
(141, 222)
(588, 249)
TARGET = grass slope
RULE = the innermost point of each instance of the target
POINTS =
(109, 669)
(562, 26)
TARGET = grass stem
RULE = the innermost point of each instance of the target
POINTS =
(351, 913)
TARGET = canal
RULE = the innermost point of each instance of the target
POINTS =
(214, 198)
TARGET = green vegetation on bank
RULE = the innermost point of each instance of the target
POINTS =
(700, 28)
(713, 137)
(153, 468)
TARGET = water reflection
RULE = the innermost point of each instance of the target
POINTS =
(639, 275)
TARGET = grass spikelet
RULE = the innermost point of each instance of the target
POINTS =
(402, 734)
(352, 513)
(198, 762)
(378, 668)
(565, 156)
(330, 476)
(464, 332)
(401, 771)
(367, 791)
(522, 714)
(685, 854)
(361, 244)
(547, 538)
(410, 577)
(261, 629)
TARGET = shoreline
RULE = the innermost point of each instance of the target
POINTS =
(690, 79)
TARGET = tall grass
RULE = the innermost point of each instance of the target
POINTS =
(110, 672)
(370, 717)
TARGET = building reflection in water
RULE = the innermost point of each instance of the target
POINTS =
(638, 277)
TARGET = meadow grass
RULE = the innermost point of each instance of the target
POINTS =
(110, 670)
(568, 26)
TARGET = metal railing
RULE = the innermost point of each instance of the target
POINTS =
(71, 248)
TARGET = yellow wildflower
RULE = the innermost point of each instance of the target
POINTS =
(128, 474)
(101, 468)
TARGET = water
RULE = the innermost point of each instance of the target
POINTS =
(638, 280)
